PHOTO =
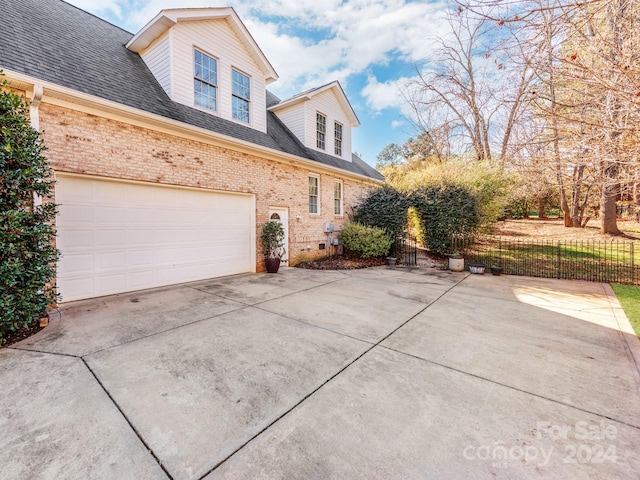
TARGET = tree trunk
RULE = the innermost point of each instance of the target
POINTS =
(608, 199)
(540, 207)
(576, 211)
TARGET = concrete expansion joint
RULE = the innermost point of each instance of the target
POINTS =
(126, 418)
(511, 387)
(328, 380)
(31, 350)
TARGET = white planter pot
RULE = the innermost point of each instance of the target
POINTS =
(456, 264)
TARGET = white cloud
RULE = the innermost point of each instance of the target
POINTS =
(353, 36)
(397, 124)
(382, 95)
(101, 7)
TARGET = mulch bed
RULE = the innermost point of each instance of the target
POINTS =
(20, 334)
(340, 262)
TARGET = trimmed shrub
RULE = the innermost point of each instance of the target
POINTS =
(384, 208)
(445, 211)
(364, 241)
(27, 254)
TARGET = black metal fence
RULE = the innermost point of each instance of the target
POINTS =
(615, 261)
(406, 249)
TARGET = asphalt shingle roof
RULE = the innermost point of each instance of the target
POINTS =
(56, 42)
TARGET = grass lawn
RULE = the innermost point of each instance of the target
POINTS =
(629, 298)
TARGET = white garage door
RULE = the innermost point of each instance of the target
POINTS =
(118, 237)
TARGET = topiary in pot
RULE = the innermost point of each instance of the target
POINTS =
(272, 239)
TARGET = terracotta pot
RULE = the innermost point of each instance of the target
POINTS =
(272, 264)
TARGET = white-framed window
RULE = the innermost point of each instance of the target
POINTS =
(337, 197)
(321, 130)
(337, 136)
(241, 95)
(314, 194)
(205, 80)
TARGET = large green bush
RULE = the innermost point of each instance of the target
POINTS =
(445, 211)
(384, 208)
(27, 254)
(365, 241)
(487, 181)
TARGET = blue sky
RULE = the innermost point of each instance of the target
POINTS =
(370, 46)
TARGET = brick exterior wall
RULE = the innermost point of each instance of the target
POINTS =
(82, 143)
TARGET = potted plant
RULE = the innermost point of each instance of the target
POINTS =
(272, 239)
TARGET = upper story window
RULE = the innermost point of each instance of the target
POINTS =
(321, 130)
(338, 139)
(314, 193)
(337, 197)
(241, 95)
(205, 82)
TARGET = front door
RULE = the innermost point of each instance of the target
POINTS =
(281, 214)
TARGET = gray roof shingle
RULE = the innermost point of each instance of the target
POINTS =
(56, 42)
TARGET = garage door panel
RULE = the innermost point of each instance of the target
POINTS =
(79, 264)
(110, 261)
(112, 238)
(79, 240)
(77, 214)
(116, 237)
(139, 216)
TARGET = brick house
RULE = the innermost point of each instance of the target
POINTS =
(169, 153)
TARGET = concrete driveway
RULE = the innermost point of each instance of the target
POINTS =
(380, 373)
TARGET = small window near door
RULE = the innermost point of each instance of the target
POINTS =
(275, 216)
(337, 197)
(314, 193)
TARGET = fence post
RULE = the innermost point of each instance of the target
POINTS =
(559, 259)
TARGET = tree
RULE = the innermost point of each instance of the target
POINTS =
(27, 254)
(588, 74)
(389, 155)
(467, 93)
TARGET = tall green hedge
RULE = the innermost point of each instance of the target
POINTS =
(445, 211)
(27, 254)
(439, 211)
(384, 208)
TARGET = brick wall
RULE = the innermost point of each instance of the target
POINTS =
(88, 144)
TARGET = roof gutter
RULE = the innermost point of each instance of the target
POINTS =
(167, 125)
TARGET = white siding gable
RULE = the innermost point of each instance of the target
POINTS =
(294, 118)
(158, 58)
(327, 104)
(171, 59)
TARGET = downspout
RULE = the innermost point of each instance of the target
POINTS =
(34, 110)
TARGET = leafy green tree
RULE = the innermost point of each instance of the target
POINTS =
(390, 155)
(27, 254)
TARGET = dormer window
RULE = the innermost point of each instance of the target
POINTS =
(205, 82)
(338, 139)
(241, 95)
(321, 130)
